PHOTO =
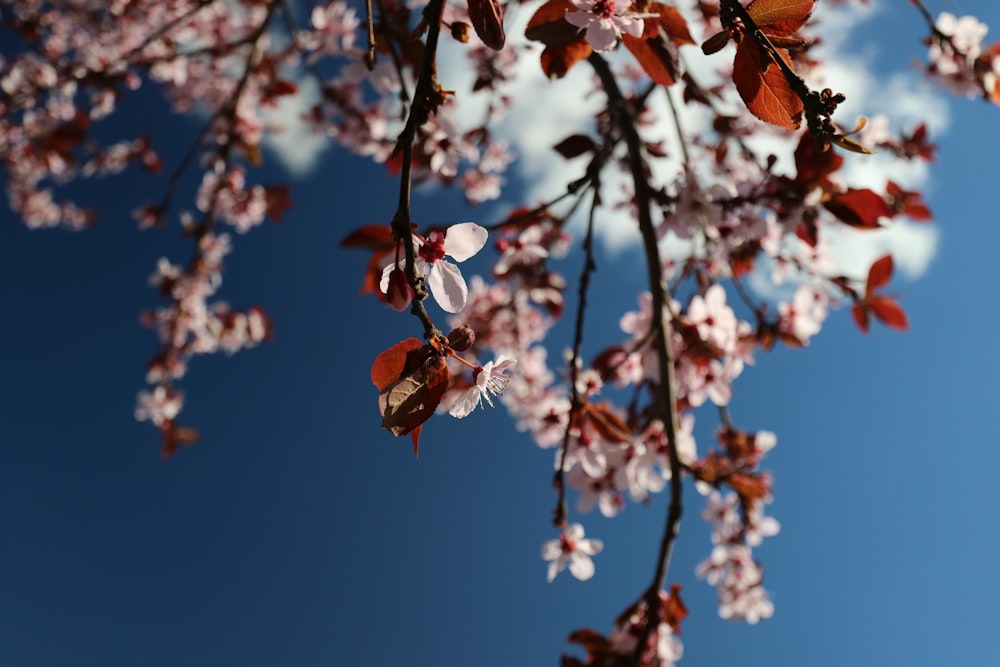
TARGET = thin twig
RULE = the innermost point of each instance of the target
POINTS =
(666, 398)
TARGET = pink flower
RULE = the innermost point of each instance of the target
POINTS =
(714, 319)
(489, 379)
(460, 242)
(573, 550)
(605, 21)
(803, 317)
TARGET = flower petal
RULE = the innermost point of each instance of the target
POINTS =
(602, 35)
(465, 403)
(590, 547)
(581, 566)
(464, 240)
(448, 286)
(579, 19)
(551, 550)
(574, 532)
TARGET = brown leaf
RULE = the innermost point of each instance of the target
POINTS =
(764, 89)
(780, 16)
(556, 60)
(548, 24)
(411, 400)
(575, 145)
(858, 207)
(654, 57)
(606, 423)
(889, 312)
(879, 274)
(673, 22)
(390, 364)
(487, 19)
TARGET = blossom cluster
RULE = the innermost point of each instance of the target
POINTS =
(738, 220)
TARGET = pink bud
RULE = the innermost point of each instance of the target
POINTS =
(399, 293)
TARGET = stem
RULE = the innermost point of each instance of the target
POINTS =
(589, 266)
(666, 399)
(423, 105)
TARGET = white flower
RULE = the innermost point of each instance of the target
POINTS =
(460, 242)
(489, 379)
(573, 550)
(605, 21)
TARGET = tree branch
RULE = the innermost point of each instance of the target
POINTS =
(666, 399)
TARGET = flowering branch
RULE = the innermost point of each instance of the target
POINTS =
(428, 96)
(589, 266)
(666, 399)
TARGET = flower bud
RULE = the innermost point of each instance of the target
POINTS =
(460, 31)
(462, 338)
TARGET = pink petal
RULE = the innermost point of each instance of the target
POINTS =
(631, 26)
(465, 403)
(448, 286)
(464, 240)
(602, 35)
(580, 19)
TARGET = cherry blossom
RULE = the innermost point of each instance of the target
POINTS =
(488, 379)
(714, 319)
(605, 21)
(460, 242)
(572, 550)
(733, 217)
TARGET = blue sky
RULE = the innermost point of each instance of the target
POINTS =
(298, 533)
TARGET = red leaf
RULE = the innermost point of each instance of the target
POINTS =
(673, 22)
(879, 274)
(749, 487)
(764, 88)
(277, 201)
(859, 312)
(411, 400)
(390, 364)
(606, 423)
(909, 203)
(575, 146)
(812, 165)
(415, 434)
(655, 59)
(891, 313)
(780, 16)
(859, 208)
(487, 19)
(174, 436)
(556, 60)
(674, 610)
(370, 237)
(548, 24)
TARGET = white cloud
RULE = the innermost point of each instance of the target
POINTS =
(545, 112)
(295, 145)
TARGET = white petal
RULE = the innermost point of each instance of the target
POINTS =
(465, 403)
(581, 566)
(502, 363)
(590, 547)
(602, 35)
(551, 550)
(464, 240)
(383, 284)
(579, 19)
(448, 286)
(574, 532)
(632, 27)
(554, 568)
